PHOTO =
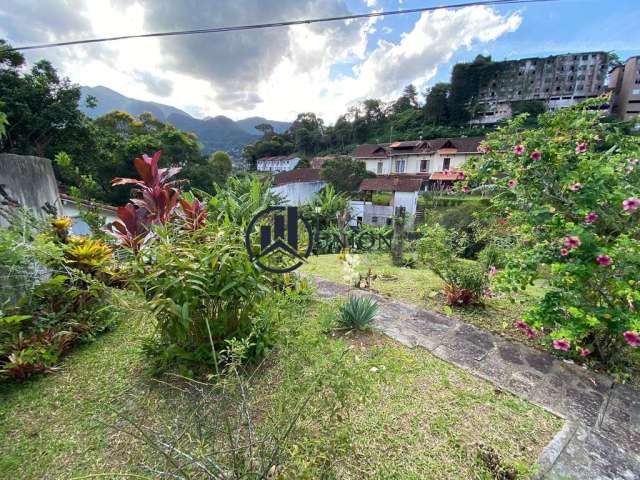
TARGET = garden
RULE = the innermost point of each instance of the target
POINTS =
(156, 348)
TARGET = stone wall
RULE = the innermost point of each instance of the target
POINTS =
(28, 181)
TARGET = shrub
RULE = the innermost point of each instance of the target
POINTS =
(493, 255)
(570, 190)
(358, 312)
(465, 281)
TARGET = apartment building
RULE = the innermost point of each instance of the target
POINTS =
(558, 81)
(417, 157)
(624, 80)
(281, 163)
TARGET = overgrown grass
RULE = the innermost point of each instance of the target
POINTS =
(382, 410)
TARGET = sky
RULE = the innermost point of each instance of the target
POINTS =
(322, 68)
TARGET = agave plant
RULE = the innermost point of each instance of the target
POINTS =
(358, 312)
(194, 214)
(159, 195)
(130, 227)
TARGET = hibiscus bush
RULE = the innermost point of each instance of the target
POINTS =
(570, 192)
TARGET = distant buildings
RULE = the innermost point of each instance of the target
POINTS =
(298, 186)
(418, 157)
(624, 80)
(282, 163)
(557, 81)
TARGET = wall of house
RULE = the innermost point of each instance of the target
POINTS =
(30, 181)
(299, 193)
(412, 163)
(277, 165)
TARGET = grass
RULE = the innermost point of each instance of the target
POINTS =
(420, 286)
(383, 411)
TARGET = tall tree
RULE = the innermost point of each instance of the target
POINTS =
(436, 108)
(345, 174)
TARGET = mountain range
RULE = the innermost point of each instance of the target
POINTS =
(215, 133)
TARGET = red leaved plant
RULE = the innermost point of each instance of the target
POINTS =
(159, 196)
(130, 227)
(194, 214)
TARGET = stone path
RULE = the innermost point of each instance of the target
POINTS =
(601, 438)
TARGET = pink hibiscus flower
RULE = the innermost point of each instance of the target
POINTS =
(535, 155)
(604, 260)
(528, 330)
(512, 183)
(518, 149)
(631, 203)
(584, 352)
(460, 176)
(562, 344)
(492, 271)
(632, 338)
(581, 147)
(572, 242)
(466, 189)
(591, 217)
(564, 252)
(576, 187)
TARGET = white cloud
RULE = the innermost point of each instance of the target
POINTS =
(276, 74)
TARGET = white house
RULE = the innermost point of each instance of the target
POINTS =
(421, 157)
(298, 186)
(281, 163)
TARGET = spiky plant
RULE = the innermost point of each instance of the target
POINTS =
(87, 255)
(358, 312)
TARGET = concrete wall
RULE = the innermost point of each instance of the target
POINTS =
(30, 181)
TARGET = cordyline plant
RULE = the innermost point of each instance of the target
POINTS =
(159, 200)
(159, 195)
(570, 190)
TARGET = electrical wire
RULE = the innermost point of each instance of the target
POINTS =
(278, 24)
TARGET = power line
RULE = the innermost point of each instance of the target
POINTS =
(277, 24)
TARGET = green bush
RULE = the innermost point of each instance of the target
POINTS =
(381, 198)
(203, 289)
(358, 312)
(465, 281)
(493, 255)
(570, 191)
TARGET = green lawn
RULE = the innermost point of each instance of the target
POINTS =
(420, 286)
(381, 411)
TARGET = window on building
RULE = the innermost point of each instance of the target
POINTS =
(379, 169)
(585, 57)
(400, 164)
(374, 219)
(424, 165)
(636, 91)
(446, 164)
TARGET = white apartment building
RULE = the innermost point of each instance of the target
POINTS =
(281, 163)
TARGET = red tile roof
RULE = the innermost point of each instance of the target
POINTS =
(391, 184)
(462, 144)
(318, 162)
(451, 175)
(298, 175)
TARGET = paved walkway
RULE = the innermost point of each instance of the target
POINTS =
(601, 439)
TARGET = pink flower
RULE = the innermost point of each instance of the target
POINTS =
(628, 169)
(492, 271)
(591, 217)
(584, 352)
(572, 242)
(564, 252)
(488, 292)
(634, 161)
(581, 147)
(631, 203)
(632, 338)
(460, 176)
(528, 330)
(576, 187)
(518, 149)
(604, 260)
(466, 189)
(535, 155)
(562, 344)
(512, 183)
(632, 305)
